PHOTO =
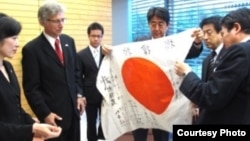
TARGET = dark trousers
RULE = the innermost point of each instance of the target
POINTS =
(159, 135)
(71, 134)
(92, 112)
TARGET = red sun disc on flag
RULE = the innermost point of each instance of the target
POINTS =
(148, 84)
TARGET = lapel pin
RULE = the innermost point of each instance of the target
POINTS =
(66, 45)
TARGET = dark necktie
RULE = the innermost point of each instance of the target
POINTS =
(58, 50)
(211, 64)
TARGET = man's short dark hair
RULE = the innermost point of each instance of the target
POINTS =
(214, 20)
(95, 26)
(240, 16)
(159, 12)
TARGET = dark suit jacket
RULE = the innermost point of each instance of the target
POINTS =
(205, 63)
(193, 52)
(13, 132)
(88, 72)
(225, 98)
(49, 85)
(11, 111)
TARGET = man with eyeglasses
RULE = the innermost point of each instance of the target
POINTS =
(224, 98)
(213, 40)
(89, 61)
(51, 79)
(158, 22)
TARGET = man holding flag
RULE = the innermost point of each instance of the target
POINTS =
(158, 20)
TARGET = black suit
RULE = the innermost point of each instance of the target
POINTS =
(205, 65)
(205, 73)
(15, 132)
(88, 72)
(51, 86)
(161, 135)
(11, 111)
(225, 97)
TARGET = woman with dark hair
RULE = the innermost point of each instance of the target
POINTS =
(15, 123)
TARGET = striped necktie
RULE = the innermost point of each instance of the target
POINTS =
(211, 64)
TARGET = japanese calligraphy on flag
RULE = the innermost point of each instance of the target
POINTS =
(140, 87)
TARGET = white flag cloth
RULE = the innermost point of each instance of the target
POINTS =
(140, 87)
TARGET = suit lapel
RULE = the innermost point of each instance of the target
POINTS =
(3, 80)
(48, 49)
(13, 84)
(205, 67)
(217, 61)
(221, 55)
(101, 56)
(65, 48)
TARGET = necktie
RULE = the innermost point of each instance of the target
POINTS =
(58, 50)
(96, 56)
(211, 64)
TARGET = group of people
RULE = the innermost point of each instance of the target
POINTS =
(53, 80)
(222, 96)
(60, 83)
(15, 123)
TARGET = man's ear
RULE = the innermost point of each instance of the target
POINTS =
(237, 27)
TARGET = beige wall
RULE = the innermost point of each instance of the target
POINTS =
(79, 14)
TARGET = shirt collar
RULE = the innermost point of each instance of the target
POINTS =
(93, 48)
(152, 38)
(50, 39)
(218, 49)
(245, 39)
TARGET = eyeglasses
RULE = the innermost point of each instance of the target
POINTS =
(58, 21)
(96, 36)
